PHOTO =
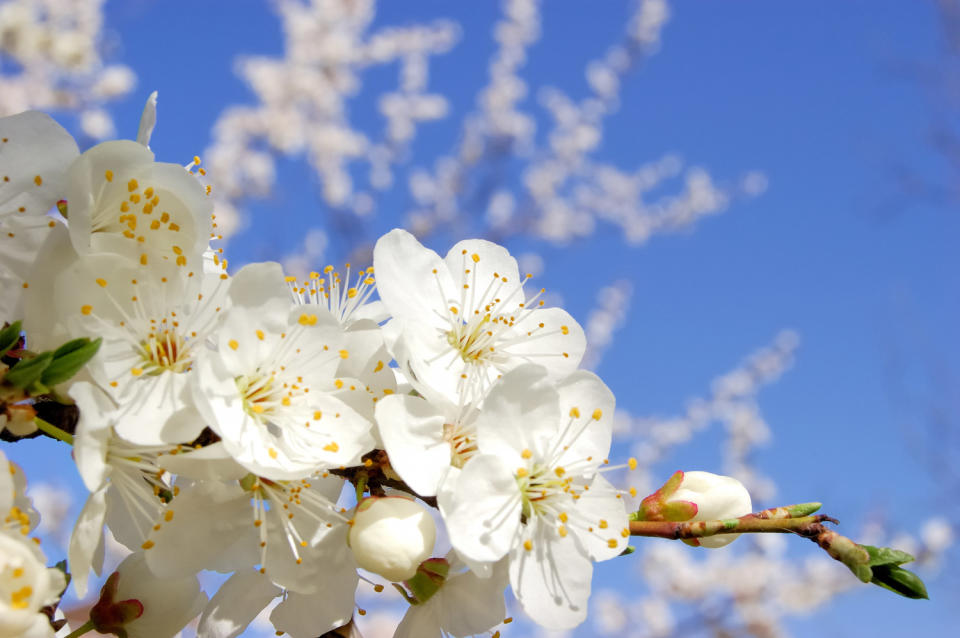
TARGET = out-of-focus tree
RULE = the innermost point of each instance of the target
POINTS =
(52, 59)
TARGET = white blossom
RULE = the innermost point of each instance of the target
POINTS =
(26, 585)
(534, 493)
(462, 321)
(267, 388)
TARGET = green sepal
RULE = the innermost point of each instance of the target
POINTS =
(629, 550)
(247, 482)
(428, 580)
(679, 511)
(68, 359)
(655, 506)
(672, 485)
(899, 581)
(403, 592)
(886, 556)
(9, 337)
(28, 371)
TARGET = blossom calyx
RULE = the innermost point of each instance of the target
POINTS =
(109, 616)
(430, 576)
(392, 536)
(663, 505)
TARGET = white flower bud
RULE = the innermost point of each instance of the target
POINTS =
(716, 497)
(391, 536)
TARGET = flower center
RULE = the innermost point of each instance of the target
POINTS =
(463, 443)
(473, 340)
(539, 486)
(17, 519)
(127, 209)
(164, 351)
(260, 394)
(333, 292)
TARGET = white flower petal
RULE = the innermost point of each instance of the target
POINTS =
(209, 463)
(210, 527)
(599, 520)
(130, 516)
(483, 513)
(311, 615)
(326, 566)
(35, 152)
(113, 189)
(236, 604)
(148, 119)
(412, 434)
(485, 262)
(552, 579)
(555, 340)
(260, 284)
(168, 603)
(591, 434)
(520, 413)
(92, 433)
(54, 256)
(412, 280)
(471, 605)
(86, 542)
(420, 621)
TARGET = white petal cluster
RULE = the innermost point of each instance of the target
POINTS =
(26, 583)
(224, 416)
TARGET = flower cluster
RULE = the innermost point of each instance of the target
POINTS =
(27, 585)
(223, 416)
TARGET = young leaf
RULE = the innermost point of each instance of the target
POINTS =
(886, 556)
(9, 337)
(68, 359)
(28, 371)
(900, 581)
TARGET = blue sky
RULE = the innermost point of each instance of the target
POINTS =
(823, 98)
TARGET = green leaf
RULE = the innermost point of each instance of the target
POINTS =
(899, 581)
(9, 337)
(28, 371)
(68, 359)
(886, 556)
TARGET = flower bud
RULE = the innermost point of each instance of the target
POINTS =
(391, 536)
(716, 497)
